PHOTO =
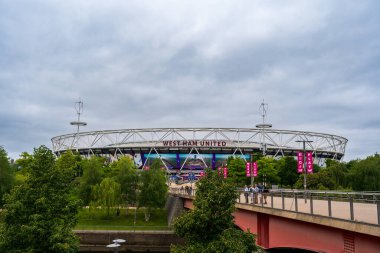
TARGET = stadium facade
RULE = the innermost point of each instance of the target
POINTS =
(197, 148)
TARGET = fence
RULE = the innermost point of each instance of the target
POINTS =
(361, 207)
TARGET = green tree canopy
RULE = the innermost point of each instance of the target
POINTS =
(236, 171)
(287, 171)
(338, 173)
(92, 175)
(365, 174)
(209, 227)
(24, 163)
(267, 170)
(71, 161)
(317, 181)
(40, 214)
(128, 179)
(107, 194)
(6, 174)
(153, 188)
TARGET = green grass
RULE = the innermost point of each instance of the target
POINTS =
(98, 220)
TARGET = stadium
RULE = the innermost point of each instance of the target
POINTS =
(185, 149)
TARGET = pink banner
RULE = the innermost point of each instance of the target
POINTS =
(225, 172)
(300, 162)
(309, 162)
(219, 171)
(248, 169)
(255, 169)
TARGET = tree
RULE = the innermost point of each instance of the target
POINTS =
(317, 181)
(107, 194)
(236, 171)
(128, 179)
(209, 227)
(267, 170)
(338, 173)
(257, 156)
(287, 171)
(153, 188)
(24, 163)
(40, 214)
(70, 161)
(365, 174)
(92, 175)
(6, 174)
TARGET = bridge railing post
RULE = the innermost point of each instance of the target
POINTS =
(271, 199)
(311, 204)
(295, 202)
(351, 208)
(329, 205)
(283, 200)
(378, 211)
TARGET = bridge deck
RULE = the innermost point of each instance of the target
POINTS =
(326, 222)
(354, 208)
(362, 212)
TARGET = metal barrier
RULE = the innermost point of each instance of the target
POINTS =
(363, 207)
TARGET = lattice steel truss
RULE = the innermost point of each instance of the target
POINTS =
(277, 143)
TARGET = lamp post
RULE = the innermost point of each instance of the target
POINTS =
(263, 109)
(78, 123)
(304, 166)
(251, 168)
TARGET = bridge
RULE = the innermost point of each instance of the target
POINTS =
(328, 221)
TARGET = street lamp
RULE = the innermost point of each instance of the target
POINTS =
(263, 126)
(304, 166)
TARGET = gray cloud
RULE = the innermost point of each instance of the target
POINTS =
(183, 64)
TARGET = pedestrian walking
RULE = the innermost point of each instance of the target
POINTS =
(255, 192)
(246, 193)
(265, 194)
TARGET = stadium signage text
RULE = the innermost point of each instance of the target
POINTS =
(193, 143)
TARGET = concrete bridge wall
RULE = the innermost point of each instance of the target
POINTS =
(174, 208)
(136, 241)
(277, 228)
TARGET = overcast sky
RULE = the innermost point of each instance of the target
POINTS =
(143, 64)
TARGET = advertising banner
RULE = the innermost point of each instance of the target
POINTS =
(309, 162)
(187, 161)
(300, 162)
(248, 169)
(255, 169)
(225, 172)
(221, 159)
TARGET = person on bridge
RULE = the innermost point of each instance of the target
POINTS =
(255, 191)
(260, 192)
(265, 193)
(246, 193)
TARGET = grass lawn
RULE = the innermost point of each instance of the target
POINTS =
(97, 219)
